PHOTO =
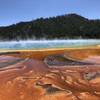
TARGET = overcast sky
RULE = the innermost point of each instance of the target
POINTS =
(14, 11)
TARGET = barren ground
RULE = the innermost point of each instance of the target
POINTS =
(50, 75)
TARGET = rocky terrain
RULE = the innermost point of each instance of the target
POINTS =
(63, 75)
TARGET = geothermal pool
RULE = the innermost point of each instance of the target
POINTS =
(40, 44)
(58, 74)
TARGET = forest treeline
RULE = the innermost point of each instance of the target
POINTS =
(60, 27)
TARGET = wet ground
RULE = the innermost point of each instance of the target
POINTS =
(45, 75)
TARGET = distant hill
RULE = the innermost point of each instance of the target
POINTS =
(59, 27)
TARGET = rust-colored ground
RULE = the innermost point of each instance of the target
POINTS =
(50, 75)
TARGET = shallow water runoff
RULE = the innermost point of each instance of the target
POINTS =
(42, 44)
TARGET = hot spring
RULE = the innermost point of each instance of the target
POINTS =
(42, 44)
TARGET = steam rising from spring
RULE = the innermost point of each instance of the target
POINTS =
(39, 44)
